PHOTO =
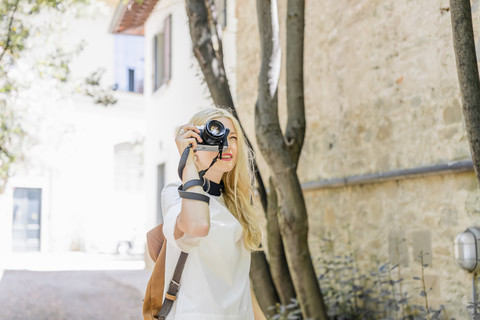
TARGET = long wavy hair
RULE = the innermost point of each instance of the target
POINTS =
(238, 193)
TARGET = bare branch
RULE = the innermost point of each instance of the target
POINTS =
(467, 69)
(278, 261)
(295, 132)
(210, 63)
(268, 132)
(212, 17)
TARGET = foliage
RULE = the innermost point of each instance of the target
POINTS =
(378, 294)
(290, 311)
(92, 88)
(31, 55)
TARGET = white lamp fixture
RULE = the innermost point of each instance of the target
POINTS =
(467, 255)
(467, 249)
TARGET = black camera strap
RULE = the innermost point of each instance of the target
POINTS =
(183, 161)
(184, 157)
(200, 182)
(202, 173)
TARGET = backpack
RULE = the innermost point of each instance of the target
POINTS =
(157, 245)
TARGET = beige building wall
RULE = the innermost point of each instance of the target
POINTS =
(381, 94)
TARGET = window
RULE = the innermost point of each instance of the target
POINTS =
(128, 166)
(129, 60)
(131, 80)
(27, 206)
(162, 54)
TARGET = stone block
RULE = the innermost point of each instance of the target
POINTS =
(397, 248)
(422, 246)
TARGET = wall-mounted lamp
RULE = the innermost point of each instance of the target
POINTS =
(467, 249)
(467, 255)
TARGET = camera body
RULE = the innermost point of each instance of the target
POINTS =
(214, 136)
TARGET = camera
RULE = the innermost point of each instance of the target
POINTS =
(214, 136)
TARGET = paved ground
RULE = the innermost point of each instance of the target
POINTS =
(73, 294)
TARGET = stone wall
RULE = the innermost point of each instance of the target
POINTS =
(381, 93)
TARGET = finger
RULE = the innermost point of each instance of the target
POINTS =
(193, 142)
(183, 132)
(194, 135)
(190, 127)
(183, 128)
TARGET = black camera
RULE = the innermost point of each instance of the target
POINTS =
(214, 136)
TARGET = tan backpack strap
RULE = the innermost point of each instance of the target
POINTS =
(173, 288)
(155, 240)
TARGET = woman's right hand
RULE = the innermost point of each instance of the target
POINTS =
(186, 135)
(194, 217)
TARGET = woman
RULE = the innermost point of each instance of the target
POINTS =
(218, 235)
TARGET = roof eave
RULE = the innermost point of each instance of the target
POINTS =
(130, 17)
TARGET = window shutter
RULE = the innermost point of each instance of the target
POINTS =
(162, 55)
(154, 71)
(158, 62)
(167, 49)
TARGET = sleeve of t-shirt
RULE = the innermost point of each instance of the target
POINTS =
(171, 207)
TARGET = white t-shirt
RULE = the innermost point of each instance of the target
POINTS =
(215, 281)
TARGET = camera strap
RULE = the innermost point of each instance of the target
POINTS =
(202, 173)
(183, 161)
(184, 157)
(219, 155)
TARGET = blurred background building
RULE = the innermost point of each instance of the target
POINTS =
(81, 186)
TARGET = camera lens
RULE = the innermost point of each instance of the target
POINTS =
(215, 128)
(214, 132)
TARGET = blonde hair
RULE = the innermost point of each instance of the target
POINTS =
(238, 193)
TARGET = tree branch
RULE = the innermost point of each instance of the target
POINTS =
(278, 261)
(295, 132)
(467, 69)
(268, 131)
(212, 17)
(10, 24)
(210, 64)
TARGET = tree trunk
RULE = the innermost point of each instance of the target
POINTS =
(211, 63)
(467, 69)
(293, 217)
(279, 269)
(264, 288)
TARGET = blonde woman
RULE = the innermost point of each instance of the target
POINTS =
(217, 225)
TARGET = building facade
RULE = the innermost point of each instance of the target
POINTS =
(382, 103)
